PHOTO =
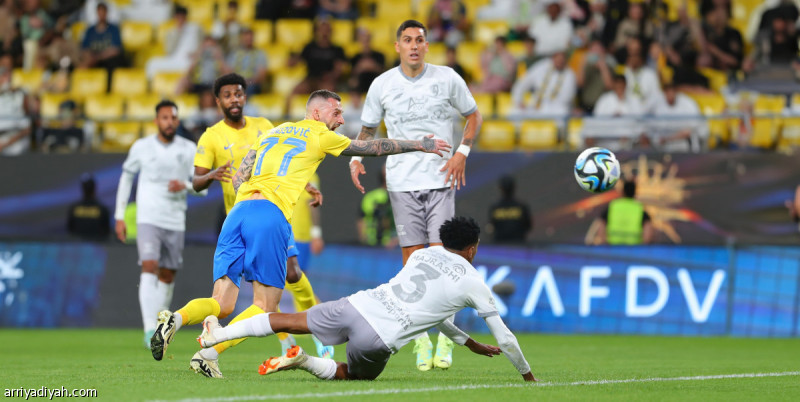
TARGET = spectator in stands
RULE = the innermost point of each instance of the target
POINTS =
(687, 78)
(451, 60)
(376, 223)
(676, 134)
(447, 22)
(306, 9)
(594, 75)
(102, 44)
(324, 62)
(618, 102)
(10, 39)
(510, 220)
(367, 64)
(208, 63)
(89, 219)
(530, 56)
(499, 68)
(182, 40)
(352, 106)
(775, 48)
(207, 114)
(614, 12)
(89, 12)
(724, 47)
(625, 222)
(643, 83)
(784, 9)
(679, 38)
(597, 19)
(709, 6)
(66, 136)
(15, 128)
(552, 29)
(59, 48)
(35, 28)
(228, 31)
(552, 85)
(338, 9)
(635, 25)
(249, 62)
(155, 12)
(56, 78)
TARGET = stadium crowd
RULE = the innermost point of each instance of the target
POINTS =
(677, 75)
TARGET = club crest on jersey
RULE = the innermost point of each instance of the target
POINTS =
(417, 104)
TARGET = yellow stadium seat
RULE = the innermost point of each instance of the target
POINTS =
(422, 10)
(245, 14)
(517, 49)
(469, 56)
(790, 132)
(538, 134)
(473, 6)
(77, 30)
(142, 107)
(166, 83)
(796, 102)
(277, 56)
(497, 135)
(136, 35)
(716, 79)
(188, 104)
(342, 32)
(199, 11)
(486, 31)
(129, 81)
(769, 104)
(394, 9)
(710, 104)
(284, 81)
(149, 128)
(485, 104)
(141, 56)
(574, 133)
(88, 82)
(382, 32)
(262, 33)
(504, 105)
(692, 8)
(294, 33)
(118, 136)
(437, 54)
(30, 80)
(268, 105)
(50, 103)
(765, 132)
(297, 107)
(104, 107)
(718, 131)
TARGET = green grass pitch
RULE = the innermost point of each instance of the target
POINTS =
(569, 368)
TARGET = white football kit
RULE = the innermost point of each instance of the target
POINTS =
(433, 286)
(413, 108)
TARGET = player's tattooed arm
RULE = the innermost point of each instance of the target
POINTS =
(386, 146)
(367, 133)
(471, 129)
(245, 170)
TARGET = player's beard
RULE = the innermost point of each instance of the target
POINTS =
(233, 117)
(169, 133)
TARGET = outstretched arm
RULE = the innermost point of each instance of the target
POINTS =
(386, 146)
(509, 345)
(356, 167)
(245, 170)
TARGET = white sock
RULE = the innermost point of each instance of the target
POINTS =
(178, 320)
(257, 325)
(165, 291)
(209, 353)
(324, 369)
(148, 302)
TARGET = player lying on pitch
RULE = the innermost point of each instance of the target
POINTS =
(435, 283)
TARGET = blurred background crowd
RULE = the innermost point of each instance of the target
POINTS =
(675, 75)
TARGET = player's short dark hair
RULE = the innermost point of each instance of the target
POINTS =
(411, 24)
(181, 10)
(459, 232)
(228, 79)
(619, 78)
(102, 5)
(324, 94)
(629, 188)
(165, 103)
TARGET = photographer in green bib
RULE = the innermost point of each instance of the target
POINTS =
(625, 222)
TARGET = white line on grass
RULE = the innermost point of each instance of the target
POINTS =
(394, 391)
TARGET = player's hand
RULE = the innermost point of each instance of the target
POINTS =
(223, 173)
(356, 168)
(317, 244)
(175, 186)
(316, 195)
(121, 230)
(529, 377)
(482, 348)
(456, 169)
(433, 146)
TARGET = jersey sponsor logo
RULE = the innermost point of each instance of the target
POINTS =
(201, 150)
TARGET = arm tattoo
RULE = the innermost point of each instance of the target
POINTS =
(472, 128)
(245, 170)
(386, 146)
(367, 133)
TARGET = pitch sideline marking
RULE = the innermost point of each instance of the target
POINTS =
(486, 386)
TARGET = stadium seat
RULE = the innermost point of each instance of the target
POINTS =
(717, 80)
(297, 107)
(262, 33)
(342, 32)
(692, 8)
(188, 105)
(118, 136)
(504, 105)
(149, 128)
(790, 132)
(141, 56)
(422, 10)
(394, 10)
(199, 11)
(77, 30)
(136, 35)
(437, 54)
(497, 135)
(166, 83)
(795, 105)
(142, 107)
(294, 33)
(50, 103)
(88, 82)
(284, 81)
(574, 135)
(710, 104)
(765, 132)
(104, 107)
(719, 131)
(538, 134)
(246, 13)
(268, 105)
(382, 32)
(769, 104)
(469, 56)
(128, 82)
(485, 104)
(30, 81)
(277, 57)
(486, 31)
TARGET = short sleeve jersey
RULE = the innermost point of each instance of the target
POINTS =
(434, 285)
(413, 108)
(286, 158)
(221, 143)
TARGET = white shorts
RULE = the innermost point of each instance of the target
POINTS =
(162, 245)
(419, 214)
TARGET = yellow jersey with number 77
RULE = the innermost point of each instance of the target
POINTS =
(286, 158)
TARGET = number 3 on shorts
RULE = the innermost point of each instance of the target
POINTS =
(298, 147)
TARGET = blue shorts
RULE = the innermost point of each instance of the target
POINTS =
(253, 243)
(303, 254)
(292, 249)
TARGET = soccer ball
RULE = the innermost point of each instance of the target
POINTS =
(597, 170)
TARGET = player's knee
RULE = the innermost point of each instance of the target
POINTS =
(225, 308)
(166, 275)
(150, 266)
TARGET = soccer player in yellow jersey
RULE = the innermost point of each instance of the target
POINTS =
(255, 236)
(222, 148)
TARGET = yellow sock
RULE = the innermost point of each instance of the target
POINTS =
(303, 294)
(197, 310)
(247, 313)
